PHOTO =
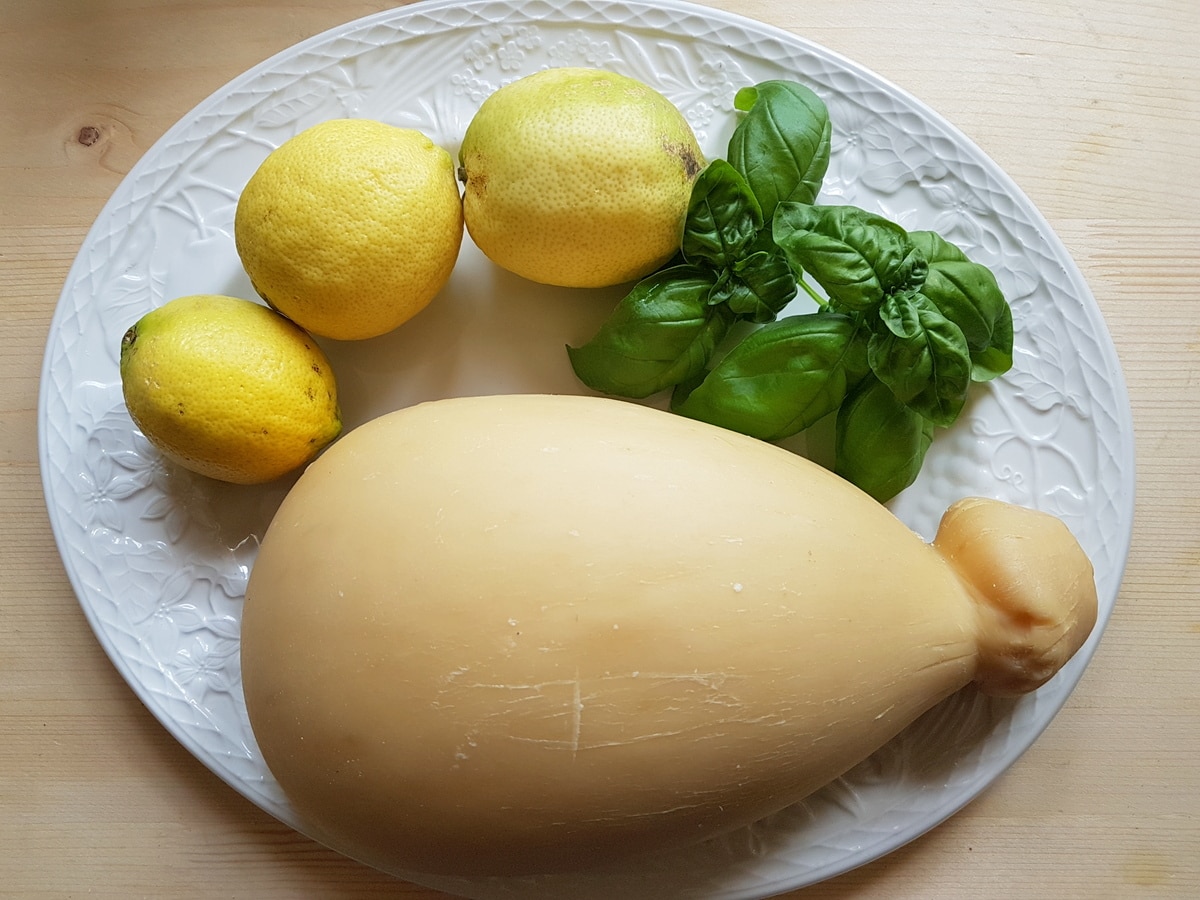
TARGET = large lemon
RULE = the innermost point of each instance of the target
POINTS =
(351, 227)
(578, 177)
(228, 388)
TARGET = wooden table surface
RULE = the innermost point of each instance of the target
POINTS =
(1092, 106)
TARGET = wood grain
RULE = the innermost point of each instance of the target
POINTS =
(1090, 105)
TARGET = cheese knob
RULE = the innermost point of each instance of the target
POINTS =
(1033, 586)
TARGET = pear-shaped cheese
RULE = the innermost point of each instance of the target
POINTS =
(533, 633)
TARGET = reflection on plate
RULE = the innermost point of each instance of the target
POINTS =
(159, 558)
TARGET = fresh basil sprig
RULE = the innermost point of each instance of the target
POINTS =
(905, 322)
(732, 264)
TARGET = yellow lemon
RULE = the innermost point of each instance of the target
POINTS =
(228, 388)
(351, 227)
(578, 177)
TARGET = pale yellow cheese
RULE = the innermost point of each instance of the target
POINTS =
(533, 633)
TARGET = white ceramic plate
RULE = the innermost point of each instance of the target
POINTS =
(159, 558)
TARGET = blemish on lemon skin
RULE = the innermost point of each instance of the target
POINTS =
(477, 184)
(691, 165)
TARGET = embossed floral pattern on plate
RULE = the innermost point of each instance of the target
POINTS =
(159, 558)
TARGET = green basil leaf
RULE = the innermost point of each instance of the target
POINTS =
(781, 145)
(921, 356)
(662, 332)
(857, 257)
(765, 283)
(781, 378)
(968, 295)
(996, 359)
(880, 443)
(732, 292)
(936, 248)
(723, 288)
(723, 217)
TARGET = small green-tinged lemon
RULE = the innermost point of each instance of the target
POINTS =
(229, 388)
